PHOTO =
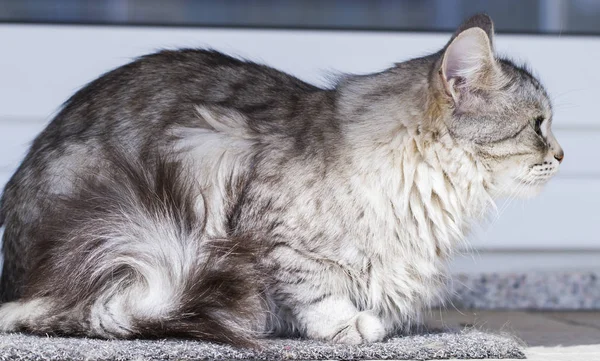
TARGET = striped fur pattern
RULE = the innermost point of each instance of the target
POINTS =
(191, 194)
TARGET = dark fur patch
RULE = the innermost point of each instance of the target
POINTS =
(214, 293)
(223, 292)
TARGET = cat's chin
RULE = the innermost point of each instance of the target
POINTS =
(526, 190)
(518, 188)
(521, 190)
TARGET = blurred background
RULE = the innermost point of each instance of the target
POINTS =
(511, 16)
(50, 48)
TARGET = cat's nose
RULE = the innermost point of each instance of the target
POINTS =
(559, 156)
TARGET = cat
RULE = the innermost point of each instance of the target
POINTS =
(193, 194)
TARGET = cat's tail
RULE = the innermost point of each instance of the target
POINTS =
(127, 257)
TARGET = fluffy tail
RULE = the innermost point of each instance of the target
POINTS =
(127, 256)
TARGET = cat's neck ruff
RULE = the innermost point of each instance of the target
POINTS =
(417, 178)
(433, 187)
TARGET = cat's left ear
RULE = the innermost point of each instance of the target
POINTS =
(468, 59)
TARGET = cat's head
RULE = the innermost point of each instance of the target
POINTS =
(497, 110)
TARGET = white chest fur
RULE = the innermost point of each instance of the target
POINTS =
(418, 200)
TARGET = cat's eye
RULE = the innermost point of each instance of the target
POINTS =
(537, 125)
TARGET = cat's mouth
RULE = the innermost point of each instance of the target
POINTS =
(537, 176)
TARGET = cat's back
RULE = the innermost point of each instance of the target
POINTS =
(134, 106)
(131, 109)
(165, 87)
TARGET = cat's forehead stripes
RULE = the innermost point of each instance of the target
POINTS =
(528, 84)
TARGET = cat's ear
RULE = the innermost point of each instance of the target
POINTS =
(468, 59)
(481, 21)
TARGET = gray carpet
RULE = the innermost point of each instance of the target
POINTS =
(552, 290)
(467, 344)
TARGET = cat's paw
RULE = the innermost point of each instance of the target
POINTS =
(362, 328)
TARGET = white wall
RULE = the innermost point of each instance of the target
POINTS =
(41, 66)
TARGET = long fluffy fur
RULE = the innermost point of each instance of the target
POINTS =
(193, 194)
(126, 256)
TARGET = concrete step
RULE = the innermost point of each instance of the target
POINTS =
(548, 336)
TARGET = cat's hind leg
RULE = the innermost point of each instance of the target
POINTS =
(15, 316)
(44, 315)
(209, 290)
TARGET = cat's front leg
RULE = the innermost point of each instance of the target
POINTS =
(336, 319)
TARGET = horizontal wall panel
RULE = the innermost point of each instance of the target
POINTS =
(516, 261)
(582, 151)
(4, 177)
(565, 215)
(15, 139)
(34, 86)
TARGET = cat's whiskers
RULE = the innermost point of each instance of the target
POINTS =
(507, 203)
(512, 196)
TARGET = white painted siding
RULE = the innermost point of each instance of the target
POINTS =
(15, 138)
(41, 66)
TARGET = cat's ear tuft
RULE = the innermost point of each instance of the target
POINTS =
(481, 21)
(466, 61)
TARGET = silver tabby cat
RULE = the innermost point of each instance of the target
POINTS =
(191, 194)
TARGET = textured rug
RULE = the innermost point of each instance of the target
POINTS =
(466, 344)
(558, 290)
